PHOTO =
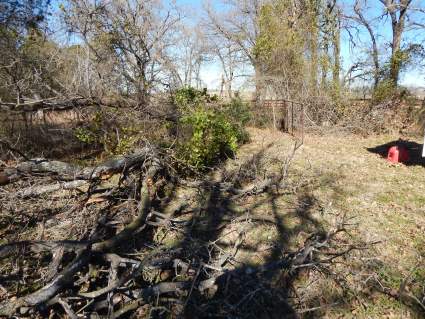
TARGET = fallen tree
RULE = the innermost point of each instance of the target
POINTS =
(49, 104)
(66, 171)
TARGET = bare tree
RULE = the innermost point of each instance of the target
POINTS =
(193, 53)
(228, 55)
(136, 36)
(360, 19)
(238, 27)
(404, 15)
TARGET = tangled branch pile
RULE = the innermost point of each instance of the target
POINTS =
(97, 252)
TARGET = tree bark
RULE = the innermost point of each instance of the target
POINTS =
(337, 51)
(68, 171)
(397, 11)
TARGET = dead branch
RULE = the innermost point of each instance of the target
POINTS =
(47, 189)
(49, 104)
(145, 294)
(13, 149)
(66, 276)
(68, 171)
(40, 246)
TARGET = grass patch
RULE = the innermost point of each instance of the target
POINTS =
(401, 198)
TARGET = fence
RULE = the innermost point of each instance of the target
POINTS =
(285, 115)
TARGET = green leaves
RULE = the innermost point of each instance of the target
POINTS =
(115, 137)
(209, 133)
(187, 98)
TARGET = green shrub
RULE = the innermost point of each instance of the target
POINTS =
(209, 136)
(107, 130)
(187, 98)
(385, 91)
(85, 135)
(238, 113)
(208, 130)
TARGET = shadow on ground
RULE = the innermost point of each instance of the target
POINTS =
(414, 149)
(265, 289)
(246, 289)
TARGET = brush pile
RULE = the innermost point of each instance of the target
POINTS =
(95, 242)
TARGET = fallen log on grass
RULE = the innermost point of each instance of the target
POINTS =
(69, 172)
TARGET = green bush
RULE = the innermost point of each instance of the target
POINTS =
(85, 135)
(385, 91)
(107, 130)
(187, 98)
(208, 130)
(209, 136)
(238, 113)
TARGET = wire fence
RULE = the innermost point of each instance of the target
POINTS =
(284, 115)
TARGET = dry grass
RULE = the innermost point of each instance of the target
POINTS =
(338, 175)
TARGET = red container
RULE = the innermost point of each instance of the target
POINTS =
(398, 154)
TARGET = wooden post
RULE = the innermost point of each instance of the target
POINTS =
(302, 123)
(292, 117)
(286, 116)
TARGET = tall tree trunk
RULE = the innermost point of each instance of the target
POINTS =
(336, 39)
(325, 62)
(314, 63)
(397, 24)
(258, 84)
(314, 47)
(375, 57)
(395, 54)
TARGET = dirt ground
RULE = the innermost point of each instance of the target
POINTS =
(331, 176)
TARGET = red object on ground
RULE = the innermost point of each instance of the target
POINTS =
(398, 154)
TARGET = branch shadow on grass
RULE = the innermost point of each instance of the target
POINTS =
(245, 289)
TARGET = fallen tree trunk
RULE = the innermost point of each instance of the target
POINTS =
(66, 171)
(47, 189)
(50, 104)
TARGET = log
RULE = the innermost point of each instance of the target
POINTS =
(50, 104)
(68, 171)
(47, 189)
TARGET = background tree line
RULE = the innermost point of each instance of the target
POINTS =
(130, 50)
